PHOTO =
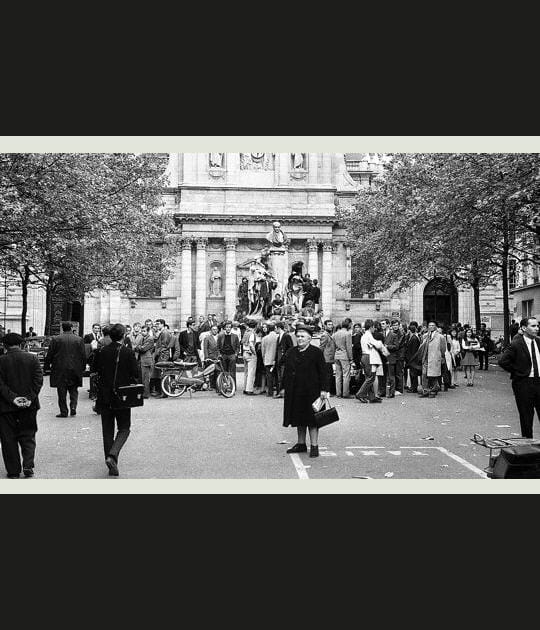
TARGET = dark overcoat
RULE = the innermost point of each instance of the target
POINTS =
(304, 377)
(20, 375)
(105, 366)
(66, 358)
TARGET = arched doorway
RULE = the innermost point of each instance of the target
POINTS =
(441, 301)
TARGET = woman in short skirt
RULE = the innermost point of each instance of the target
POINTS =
(471, 347)
(455, 351)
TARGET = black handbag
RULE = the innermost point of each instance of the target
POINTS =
(126, 396)
(325, 416)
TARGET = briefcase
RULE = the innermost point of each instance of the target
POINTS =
(517, 462)
(326, 416)
(129, 396)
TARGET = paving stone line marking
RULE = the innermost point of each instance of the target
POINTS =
(455, 457)
(300, 468)
(302, 472)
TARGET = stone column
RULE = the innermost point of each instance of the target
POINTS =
(201, 277)
(313, 168)
(327, 279)
(185, 291)
(230, 277)
(313, 258)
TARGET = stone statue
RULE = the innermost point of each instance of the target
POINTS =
(216, 160)
(295, 287)
(276, 237)
(298, 160)
(215, 281)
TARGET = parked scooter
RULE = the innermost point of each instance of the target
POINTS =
(177, 377)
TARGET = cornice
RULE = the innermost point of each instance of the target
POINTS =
(243, 219)
(212, 186)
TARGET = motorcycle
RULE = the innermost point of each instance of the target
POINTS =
(177, 377)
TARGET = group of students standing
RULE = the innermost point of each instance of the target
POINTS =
(387, 358)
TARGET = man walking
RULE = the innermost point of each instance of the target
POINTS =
(522, 360)
(228, 344)
(117, 367)
(21, 378)
(343, 358)
(66, 358)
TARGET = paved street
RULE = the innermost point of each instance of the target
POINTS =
(209, 437)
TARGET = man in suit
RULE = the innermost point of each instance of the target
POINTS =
(210, 351)
(283, 345)
(21, 378)
(411, 348)
(522, 359)
(91, 341)
(144, 354)
(385, 327)
(343, 358)
(117, 367)
(66, 358)
(394, 343)
(228, 344)
(316, 294)
(163, 342)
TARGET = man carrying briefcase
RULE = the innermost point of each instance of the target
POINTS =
(117, 367)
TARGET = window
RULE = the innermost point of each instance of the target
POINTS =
(362, 278)
(527, 308)
(512, 273)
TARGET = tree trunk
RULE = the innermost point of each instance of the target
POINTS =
(504, 274)
(49, 305)
(476, 292)
(25, 280)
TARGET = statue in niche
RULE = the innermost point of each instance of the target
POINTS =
(276, 237)
(216, 160)
(298, 160)
(215, 281)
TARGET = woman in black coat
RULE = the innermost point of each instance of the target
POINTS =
(305, 379)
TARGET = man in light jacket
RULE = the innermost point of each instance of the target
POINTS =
(432, 351)
(268, 352)
(370, 348)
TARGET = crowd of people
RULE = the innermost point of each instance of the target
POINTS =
(295, 357)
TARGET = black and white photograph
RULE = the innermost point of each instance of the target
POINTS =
(269, 316)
